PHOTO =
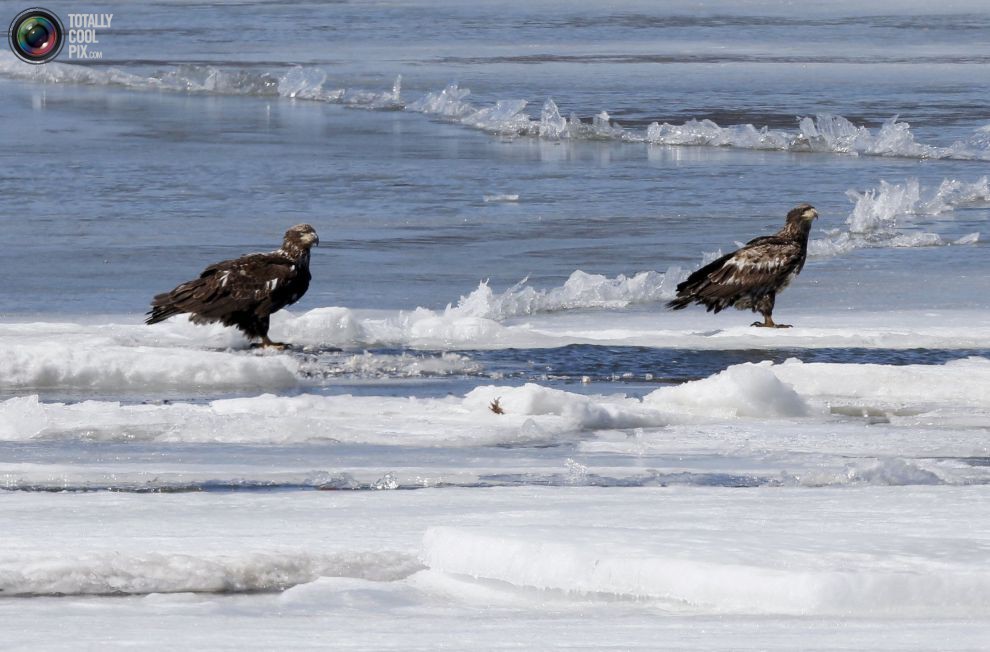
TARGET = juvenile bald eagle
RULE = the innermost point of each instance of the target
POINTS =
(752, 276)
(245, 291)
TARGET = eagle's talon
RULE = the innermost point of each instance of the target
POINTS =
(267, 343)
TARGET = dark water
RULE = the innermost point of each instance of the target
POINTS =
(672, 366)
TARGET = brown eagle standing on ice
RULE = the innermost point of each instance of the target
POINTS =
(752, 276)
(245, 291)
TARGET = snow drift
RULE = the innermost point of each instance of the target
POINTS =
(532, 414)
(642, 565)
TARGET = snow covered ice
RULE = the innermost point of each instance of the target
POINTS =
(507, 197)
(671, 561)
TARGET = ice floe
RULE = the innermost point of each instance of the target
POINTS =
(530, 414)
(709, 574)
(98, 363)
(153, 572)
(863, 551)
(508, 117)
(179, 358)
(881, 215)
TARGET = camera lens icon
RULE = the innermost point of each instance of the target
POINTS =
(36, 35)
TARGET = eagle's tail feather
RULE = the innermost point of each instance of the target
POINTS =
(168, 304)
(698, 289)
(161, 313)
(689, 292)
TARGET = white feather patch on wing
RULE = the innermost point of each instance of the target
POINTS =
(738, 268)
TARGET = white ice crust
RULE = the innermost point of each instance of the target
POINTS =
(791, 392)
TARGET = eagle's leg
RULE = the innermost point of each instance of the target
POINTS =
(765, 306)
(260, 328)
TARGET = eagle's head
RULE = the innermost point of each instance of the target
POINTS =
(302, 236)
(802, 215)
(299, 239)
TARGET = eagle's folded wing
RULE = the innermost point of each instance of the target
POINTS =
(254, 283)
(755, 266)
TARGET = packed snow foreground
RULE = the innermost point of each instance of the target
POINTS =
(752, 553)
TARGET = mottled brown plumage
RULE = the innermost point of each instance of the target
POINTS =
(245, 291)
(752, 276)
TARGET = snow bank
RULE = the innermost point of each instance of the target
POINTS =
(890, 329)
(180, 356)
(876, 531)
(799, 389)
(580, 291)
(884, 472)
(963, 382)
(275, 419)
(531, 414)
(576, 412)
(100, 364)
(745, 390)
(22, 417)
(743, 579)
(97, 573)
(475, 318)
(172, 357)
(125, 474)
